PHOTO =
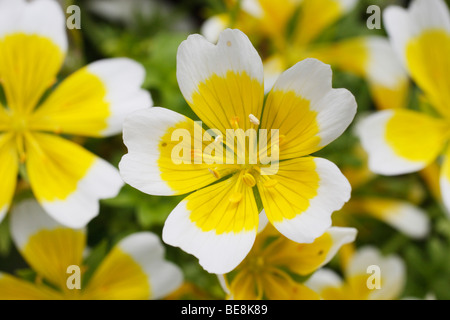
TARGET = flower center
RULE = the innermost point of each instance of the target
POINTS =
(19, 128)
(19, 125)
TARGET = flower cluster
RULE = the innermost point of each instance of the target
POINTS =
(248, 170)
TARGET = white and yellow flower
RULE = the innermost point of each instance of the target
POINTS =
(292, 27)
(405, 141)
(134, 268)
(223, 84)
(270, 269)
(404, 215)
(373, 59)
(67, 180)
(368, 276)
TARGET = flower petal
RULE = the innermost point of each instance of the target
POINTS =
(153, 165)
(421, 37)
(94, 100)
(372, 58)
(401, 141)
(135, 269)
(222, 82)
(304, 259)
(47, 246)
(401, 215)
(278, 288)
(213, 26)
(422, 15)
(387, 78)
(327, 283)
(45, 18)
(306, 110)
(392, 272)
(444, 182)
(215, 226)
(67, 180)
(13, 288)
(317, 15)
(8, 172)
(33, 44)
(306, 193)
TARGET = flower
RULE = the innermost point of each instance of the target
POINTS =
(291, 30)
(273, 265)
(404, 215)
(133, 269)
(223, 84)
(368, 276)
(405, 141)
(66, 179)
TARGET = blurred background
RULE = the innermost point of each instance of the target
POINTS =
(150, 32)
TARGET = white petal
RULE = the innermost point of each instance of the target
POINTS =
(44, 18)
(217, 253)
(322, 279)
(312, 80)
(333, 192)
(409, 219)
(141, 134)
(198, 59)
(339, 236)
(382, 159)
(392, 271)
(403, 25)
(444, 182)
(28, 218)
(213, 26)
(101, 182)
(384, 66)
(147, 250)
(123, 79)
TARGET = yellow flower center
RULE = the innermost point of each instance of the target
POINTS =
(19, 124)
(249, 172)
(19, 127)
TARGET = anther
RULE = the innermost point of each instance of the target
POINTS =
(214, 172)
(249, 179)
(235, 197)
(218, 139)
(253, 119)
(235, 122)
(196, 154)
(270, 183)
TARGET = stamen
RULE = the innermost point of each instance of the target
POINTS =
(235, 197)
(253, 119)
(20, 148)
(196, 154)
(270, 183)
(218, 139)
(214, 172)
(57, 130)
(249, 179)
(235, 122)
(281, 139)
